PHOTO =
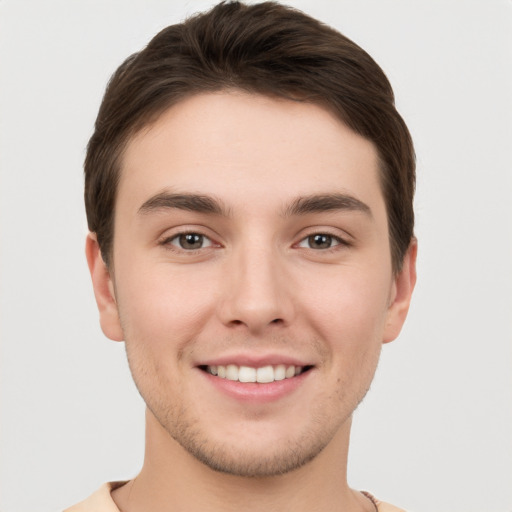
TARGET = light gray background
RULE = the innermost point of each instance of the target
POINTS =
(434, 432)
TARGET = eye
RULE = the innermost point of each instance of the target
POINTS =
(190, 241)
(320, 241)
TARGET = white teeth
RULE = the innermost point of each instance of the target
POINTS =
(263, 375)
(279, 372)
(247, 374)
(232, 372)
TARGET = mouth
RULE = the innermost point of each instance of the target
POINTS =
(262, 375)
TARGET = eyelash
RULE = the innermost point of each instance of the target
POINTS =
(340, 242)
(168, 242)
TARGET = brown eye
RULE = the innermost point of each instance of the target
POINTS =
(190, 241)
(320, 241)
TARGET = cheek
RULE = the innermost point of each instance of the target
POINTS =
(160, 314)
(348, 307)
(165, 305)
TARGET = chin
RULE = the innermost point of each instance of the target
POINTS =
(262, 461)
(256, 449)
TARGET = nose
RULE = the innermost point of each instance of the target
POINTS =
(256, 291)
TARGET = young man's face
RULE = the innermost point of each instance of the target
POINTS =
(251, 241)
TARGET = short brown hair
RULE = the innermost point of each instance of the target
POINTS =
(267, 49)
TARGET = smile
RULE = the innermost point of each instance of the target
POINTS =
(262, 375)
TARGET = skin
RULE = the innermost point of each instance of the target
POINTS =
(259, 288)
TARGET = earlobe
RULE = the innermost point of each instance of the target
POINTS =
(403, 287)
(103, 290)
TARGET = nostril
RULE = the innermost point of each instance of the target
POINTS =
(275, 321)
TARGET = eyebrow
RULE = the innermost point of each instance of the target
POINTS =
(303, 205)
(190, 202)
(326, 202)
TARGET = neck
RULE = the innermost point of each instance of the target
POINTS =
(172, 479)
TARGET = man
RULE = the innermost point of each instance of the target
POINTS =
(249, 191)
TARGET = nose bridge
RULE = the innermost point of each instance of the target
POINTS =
(255, 295)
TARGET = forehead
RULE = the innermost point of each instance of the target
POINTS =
(248, 148)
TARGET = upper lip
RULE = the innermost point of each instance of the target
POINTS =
(255, 360)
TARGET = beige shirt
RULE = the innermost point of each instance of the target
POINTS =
(101, 501)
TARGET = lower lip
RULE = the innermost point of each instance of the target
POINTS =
(254, 391)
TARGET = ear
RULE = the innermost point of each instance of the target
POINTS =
(401, 293)
(103, 290)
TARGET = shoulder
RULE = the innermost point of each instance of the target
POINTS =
(382, 506)
(387, 507)
(99, 501)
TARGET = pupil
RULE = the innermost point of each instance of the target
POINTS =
(191, 241)
(320, 241)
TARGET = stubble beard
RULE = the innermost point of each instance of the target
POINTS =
(284, 456)
(278, 458)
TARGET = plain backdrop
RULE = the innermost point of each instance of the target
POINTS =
(434, 433)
